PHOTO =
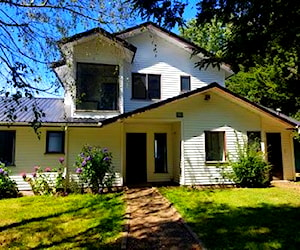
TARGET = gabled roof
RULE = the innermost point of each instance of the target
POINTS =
(96, 31)
(54, 109)
(198, 91)
(187, 44)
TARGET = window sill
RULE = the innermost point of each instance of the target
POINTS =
(145, 100)
(53, 153)
(215, 162)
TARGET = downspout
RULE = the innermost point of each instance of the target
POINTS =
(67, 174)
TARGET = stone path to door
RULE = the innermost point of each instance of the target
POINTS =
(155, 224)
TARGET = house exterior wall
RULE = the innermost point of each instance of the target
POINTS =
(30, 150)
(216, 114)
(157, 56)
(107, 137)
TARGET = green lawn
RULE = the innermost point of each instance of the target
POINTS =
(72, 222)
(241, 218)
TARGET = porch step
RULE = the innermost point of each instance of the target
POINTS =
(22, 185)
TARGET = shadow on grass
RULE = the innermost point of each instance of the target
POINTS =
(91, 223)
(263, 227)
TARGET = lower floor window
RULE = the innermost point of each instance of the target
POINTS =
(214, 146)
(55, 142)
(160, 152)
(7, 147)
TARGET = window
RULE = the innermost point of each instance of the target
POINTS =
(55, 142)
(7, 147)
(160, 152)
(97, 86)
(145, 86)
(214, 146)
(254, 138)
(185, 83)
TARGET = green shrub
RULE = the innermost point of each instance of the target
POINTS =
(250, 169)
(94, 168)
(46, 181)
(8, 187)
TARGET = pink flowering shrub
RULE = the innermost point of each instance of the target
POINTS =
(46, 181)
(94, 168)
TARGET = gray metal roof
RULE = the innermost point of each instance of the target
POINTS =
(23, 109)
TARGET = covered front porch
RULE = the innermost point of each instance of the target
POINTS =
(151, 152)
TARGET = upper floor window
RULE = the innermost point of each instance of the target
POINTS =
(55, 142)
(215, 146)
(97, 86)
(145, 86)
(7, 147)
(185, 83)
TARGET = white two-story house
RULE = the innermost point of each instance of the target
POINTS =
(139, 94)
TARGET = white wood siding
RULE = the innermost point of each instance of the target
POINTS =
(217, 114)
(157, 56)
(107, 137)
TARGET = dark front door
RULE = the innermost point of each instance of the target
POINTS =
(275, 154)
(297, 155)
(136, 162)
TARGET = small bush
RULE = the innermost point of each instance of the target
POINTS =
(8, 187)
(94, 168)
(46, 181)
(250, 169)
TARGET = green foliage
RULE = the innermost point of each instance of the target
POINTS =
(94, 168)
(250, 169)
(240, 218)
(8, 187)
(46, 181)
(209, 36)
(55, 222)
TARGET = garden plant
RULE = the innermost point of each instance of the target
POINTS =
(8, 187)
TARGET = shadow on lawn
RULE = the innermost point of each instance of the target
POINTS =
(56, 230)
(263, 227)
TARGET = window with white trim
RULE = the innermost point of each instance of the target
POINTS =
(55, 142)
(215, 146)
(146, 86)
(185, 83)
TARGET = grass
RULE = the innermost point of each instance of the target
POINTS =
(72, 222)
(241, 218)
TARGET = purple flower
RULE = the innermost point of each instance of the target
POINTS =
(78, 170)
(47, 169)
(106, 158)
(104, 150)
(83, 163)
(23, 175)
(1, 170)
(61, 160)
(36, 168)
(81, 155)
(34, 174)
(88, 158)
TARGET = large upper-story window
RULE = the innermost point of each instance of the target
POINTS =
(145, 86)
(97, 86)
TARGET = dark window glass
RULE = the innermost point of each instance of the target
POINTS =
(254, 139)
(214, 146)
(97, 86)
(154, 86)
(139, 90)
(160, 152)
(145, 86)
(55, 142)
(185, 83)
(7, 147)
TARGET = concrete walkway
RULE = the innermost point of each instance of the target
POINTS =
(155, 224)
